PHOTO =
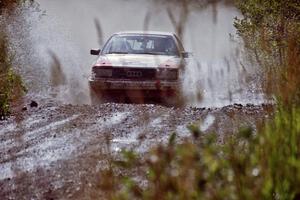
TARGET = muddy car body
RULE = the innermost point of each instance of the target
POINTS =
(138, 65)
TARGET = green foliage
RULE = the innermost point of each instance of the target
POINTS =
(271, 31)
(265, 165)
(11, 86)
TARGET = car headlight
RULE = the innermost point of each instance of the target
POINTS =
(167, 74)
(93, 75)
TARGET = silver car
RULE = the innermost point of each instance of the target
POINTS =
(136, 66)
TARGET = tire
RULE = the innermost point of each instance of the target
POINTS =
(175, 100)
(95, 98)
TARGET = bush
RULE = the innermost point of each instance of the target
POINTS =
(271, 30)
(11, 85)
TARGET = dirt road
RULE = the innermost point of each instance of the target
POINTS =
(55, 151)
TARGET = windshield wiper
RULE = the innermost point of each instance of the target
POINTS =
(117, 52)
(151, 53)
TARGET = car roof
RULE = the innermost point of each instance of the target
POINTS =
(145, 33)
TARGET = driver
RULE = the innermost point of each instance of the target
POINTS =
(160, 45)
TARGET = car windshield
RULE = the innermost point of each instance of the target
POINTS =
(141, 44)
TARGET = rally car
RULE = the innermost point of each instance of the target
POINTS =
(137, 66)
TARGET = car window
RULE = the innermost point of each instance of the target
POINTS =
(141, 44)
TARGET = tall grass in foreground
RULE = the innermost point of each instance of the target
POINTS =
(264, 164)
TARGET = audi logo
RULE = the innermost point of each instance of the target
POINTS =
(134, 74)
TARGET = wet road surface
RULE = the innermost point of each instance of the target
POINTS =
(56, 151)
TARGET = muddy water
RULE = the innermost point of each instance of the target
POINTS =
(61, 39)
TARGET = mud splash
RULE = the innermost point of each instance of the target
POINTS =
(60, 39)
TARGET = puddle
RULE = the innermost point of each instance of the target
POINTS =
(50, 127)
(41, 155)
(47, 151)
(114, 119)
(33, 134)
(119, 143)
(8, 128)
(156, 122)
(6, 171)
(31, 122)
(208, 121)
(182, 130)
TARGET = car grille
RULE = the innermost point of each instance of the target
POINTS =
(128, 73)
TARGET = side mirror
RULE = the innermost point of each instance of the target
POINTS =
(186, 54)
(95, 52)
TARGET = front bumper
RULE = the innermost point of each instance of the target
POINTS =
(113, 84)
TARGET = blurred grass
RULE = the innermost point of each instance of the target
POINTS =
(11, 85)
(248, 166)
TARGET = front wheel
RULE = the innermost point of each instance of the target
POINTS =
(175, 99)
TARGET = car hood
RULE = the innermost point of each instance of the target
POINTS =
(138, 61)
